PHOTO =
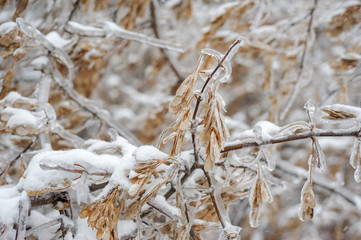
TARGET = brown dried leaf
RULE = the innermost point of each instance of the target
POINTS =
(178, 142)
(136, 10)
(104, 215)
(183, 94)
(6, 83)
(260, 194)
(308, 202)
(344, 22)
(100, 5)
(337, 114)
(20, 7)
(183, 9)
(213, 153)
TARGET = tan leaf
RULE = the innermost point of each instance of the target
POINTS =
(183, 94)
(6, 83)
(308, 202)
(260, 194)
(337, 114)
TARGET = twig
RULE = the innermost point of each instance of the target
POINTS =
(12, 162)
(213, 198)
(75, 6)
(154, 24)
(161, 211)
(352, 132)
(295, 89)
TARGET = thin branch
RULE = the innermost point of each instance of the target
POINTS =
(162, 211)
(296, 87)
(213, 198)
(75, 6)
(154, 24)
(12, 162)
(236, 145)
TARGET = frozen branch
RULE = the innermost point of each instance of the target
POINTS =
(117, 31)
(153, 14)
(296, 87)
(252, 142)
(67, 84)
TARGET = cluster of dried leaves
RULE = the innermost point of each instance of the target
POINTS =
(295, 52)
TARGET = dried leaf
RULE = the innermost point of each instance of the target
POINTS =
(183, 94)
(6, 83)
(344, 22)
(213, 153)
(308, 202)
(260, 194)
(337, 115)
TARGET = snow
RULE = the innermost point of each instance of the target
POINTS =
(265, 130)
(11, 98)
(9, 204)
(56, 39)
(7, 27)
(148, 152)
(161, 202)
(126, 227)
(84, 232)
(40, 62)
(54, 170)
(18, 117)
